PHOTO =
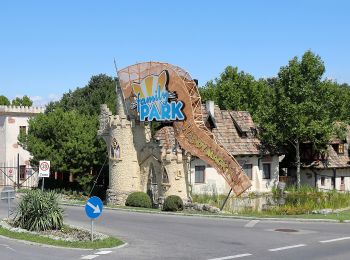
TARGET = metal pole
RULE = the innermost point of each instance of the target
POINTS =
(92, 230)
(18, 171)
(9, 205)
(42, 184)
(223, 204)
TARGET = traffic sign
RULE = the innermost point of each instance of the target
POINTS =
(93, 207)
(44, 169)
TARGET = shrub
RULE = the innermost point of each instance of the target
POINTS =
(139, 199)
(39, 211)
(173, 203)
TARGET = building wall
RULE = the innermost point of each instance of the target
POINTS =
(11, 118)
(215, 183)
(308, 178)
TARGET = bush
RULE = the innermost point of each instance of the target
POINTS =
(38, 211)
(173, 203)
(139, 199)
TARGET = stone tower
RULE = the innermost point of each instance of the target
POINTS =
(119, 134)
(138, 162)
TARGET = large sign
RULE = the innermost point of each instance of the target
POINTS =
(154, 101)
(164, 92)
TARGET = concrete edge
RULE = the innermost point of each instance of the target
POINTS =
(217, 216)
(62, 247)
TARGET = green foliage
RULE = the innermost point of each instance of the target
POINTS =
(24, 101)
(66, 133)
(173, 203)
(4, 101)
(139, 199)
(67, 139)
(38, 211)
(87, 100)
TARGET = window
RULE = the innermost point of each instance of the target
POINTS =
(22, 130)
(22, 172)
(342, 182)
(266, 173)
(247, 168)
(322, 181)
(115, 149)
(165, 177)
(341, 148)
(199, 174)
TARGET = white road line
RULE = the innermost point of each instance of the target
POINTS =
(103, 252)
(285, 247)
(251, 223)
(230, 257)
(89, 257)
(334, 240)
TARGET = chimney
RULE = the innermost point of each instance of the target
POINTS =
(209, 104)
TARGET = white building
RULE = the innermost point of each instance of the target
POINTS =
(13, 120)
(330, 171)
(236, 131)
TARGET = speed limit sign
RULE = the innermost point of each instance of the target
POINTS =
(44, 169)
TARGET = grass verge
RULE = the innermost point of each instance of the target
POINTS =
(103, 243)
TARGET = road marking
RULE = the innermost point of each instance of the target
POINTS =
(251, 223)
(334, 240)
(230, 257)
(89, 257)
(103, 252)
(285, 247)
(8, 247)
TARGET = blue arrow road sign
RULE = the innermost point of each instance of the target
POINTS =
(93, 207)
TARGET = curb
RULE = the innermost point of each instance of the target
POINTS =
(54, 246)
(218, 216)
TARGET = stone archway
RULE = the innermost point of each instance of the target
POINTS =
(152, 185)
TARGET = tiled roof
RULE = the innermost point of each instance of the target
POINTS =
(166, 137)
(235, 130)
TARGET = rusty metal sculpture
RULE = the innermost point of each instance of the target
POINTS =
(191, 133)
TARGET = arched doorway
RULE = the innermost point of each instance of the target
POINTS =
(152, 185)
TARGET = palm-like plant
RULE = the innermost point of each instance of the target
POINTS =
(38, 211)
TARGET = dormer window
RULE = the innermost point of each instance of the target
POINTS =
(341, 148)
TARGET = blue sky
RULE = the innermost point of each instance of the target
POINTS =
(47, 47)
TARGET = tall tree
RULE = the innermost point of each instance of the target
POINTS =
(24, 101)
(299, 112)
(69, 136)
(237, 90)
(4, 101)
(67, 139)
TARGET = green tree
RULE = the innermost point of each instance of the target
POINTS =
(299, 112)
(73, 147)
(4, 101)
(24, 101)
(87, 100)
(67, 139)
(237, 90)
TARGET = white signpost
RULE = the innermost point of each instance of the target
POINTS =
(44, 171)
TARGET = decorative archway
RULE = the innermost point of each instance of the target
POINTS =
(144, 83)
(152, 185)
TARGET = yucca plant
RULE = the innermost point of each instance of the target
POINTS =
(38, 211)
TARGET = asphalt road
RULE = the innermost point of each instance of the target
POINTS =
(152, 236)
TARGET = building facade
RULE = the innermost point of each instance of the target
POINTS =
(236, 131)
(14, 160)
(158, 165)
(327, 171)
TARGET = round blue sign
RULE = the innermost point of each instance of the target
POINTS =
(93, 207)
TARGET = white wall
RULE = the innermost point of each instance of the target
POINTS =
(308, 178)
(215, 183)
(11, 118)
